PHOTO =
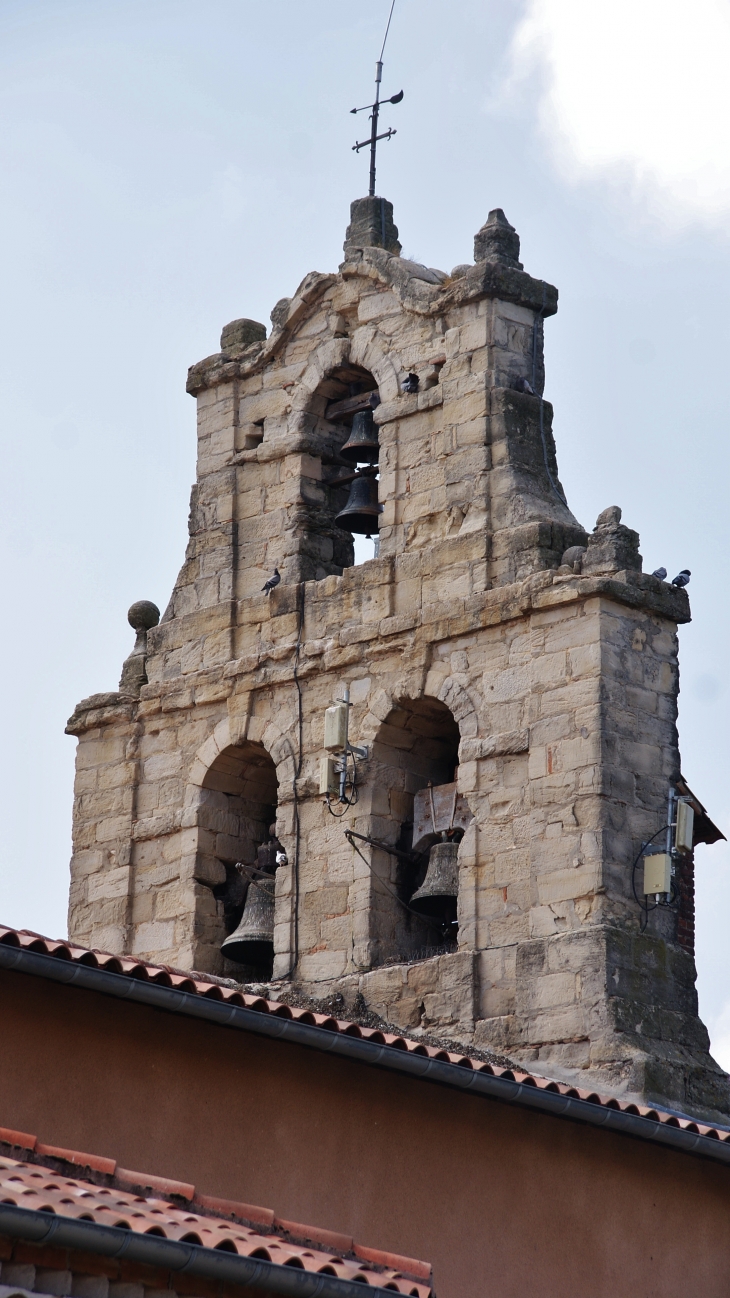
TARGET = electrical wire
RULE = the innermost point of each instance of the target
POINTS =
(297, 773)
(644, 905)
(345, 802)
(432, 923)
(392, 7)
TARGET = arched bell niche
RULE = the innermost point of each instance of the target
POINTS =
(416, 746)
(236, 808)
(346, 395)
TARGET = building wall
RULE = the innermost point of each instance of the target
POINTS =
(499, 1199)
(561, 678)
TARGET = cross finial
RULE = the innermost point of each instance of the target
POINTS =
(375, 112)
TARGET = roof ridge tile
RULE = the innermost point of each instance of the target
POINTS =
(196, 984)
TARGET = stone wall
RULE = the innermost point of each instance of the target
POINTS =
(492, 640)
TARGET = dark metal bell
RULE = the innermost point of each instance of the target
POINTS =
(253, 941)
(362, 446)
(361, 511)
(438, 892)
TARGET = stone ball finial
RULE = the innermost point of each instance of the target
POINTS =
(610, 517)
(143, 615)
(498, 241)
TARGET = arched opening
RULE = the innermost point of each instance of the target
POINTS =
(414, 765)
(236, 808)
(346, 397)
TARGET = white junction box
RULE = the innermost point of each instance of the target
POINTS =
(657, 873)
(335, 727)
(685, 826)
(328, 778)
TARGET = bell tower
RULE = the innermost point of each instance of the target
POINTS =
(463, 855)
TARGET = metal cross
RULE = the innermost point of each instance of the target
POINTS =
(375, 111)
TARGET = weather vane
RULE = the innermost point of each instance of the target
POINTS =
(375, 111)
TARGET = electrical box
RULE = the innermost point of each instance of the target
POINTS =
(335, 728)
(657, 873)
(685, 826)
(328, 778)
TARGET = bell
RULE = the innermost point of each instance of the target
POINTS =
(362, 446)
(253, 941)
(361, 511)
(437, 894)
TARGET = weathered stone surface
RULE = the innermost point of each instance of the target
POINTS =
(493, 647)
(371, 226)
(240, 333)
(498, 241)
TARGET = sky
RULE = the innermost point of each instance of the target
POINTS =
(170, 165)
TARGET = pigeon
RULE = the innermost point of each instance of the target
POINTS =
(410, 383)
(682, 578)
(523, 385)
(268, 586)
(661, 573)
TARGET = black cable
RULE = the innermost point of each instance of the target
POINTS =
(644, 905)
(297, 773)
(432, 923)
(351, 801)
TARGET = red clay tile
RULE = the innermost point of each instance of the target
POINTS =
(230, 1207)
(411, 1265)
(33, 1186)
(330, 1238)
(97, 1164)
(200, 987)
(19, 1138)
(161, 1183)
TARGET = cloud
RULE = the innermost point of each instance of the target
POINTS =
(636, 92)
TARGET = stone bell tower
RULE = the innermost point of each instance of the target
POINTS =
(512, 686)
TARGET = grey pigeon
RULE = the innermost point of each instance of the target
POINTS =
(660, 573)
(682, 578)
(410, 383)
(268, 586)
(523, 385)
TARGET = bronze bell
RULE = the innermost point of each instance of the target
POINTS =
(437, 894)
(361, 511)
(253, 941)
(362, 446)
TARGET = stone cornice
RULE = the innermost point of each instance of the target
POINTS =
(272, 664)
(420, 290)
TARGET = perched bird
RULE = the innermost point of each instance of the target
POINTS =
(660, 573)
(682, 578)
(523, 385)
(268, 586)
(410, 383)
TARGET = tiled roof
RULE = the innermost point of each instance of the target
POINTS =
(197, 985)
(39, 1188)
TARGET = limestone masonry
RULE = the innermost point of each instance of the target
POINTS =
(523, 668)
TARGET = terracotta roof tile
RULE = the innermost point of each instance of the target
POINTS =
(33, 1186)
(198, 985)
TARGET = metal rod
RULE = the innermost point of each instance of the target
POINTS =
(343, 771)
(374, 125)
